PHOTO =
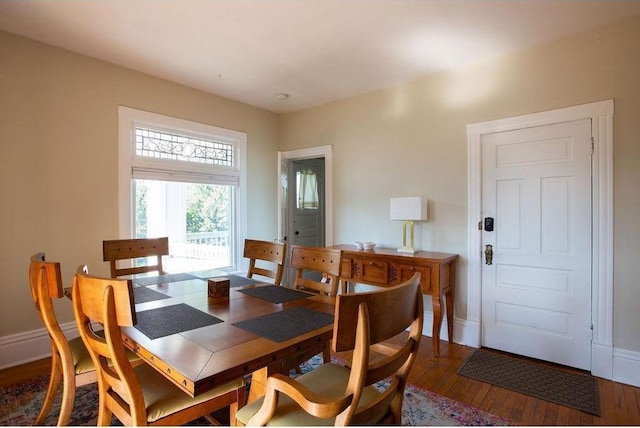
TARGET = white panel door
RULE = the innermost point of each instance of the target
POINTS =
(536, 294)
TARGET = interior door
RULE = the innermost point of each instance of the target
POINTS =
(305, 224)
(536, 276)
(307, 221)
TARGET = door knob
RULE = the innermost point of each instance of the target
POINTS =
(488, 254)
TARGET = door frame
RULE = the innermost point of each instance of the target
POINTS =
(325, 152)
(601, 115)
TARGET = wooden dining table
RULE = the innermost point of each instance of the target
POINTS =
(200, 342)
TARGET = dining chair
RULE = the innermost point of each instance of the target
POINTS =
(317, 269)
(117, 250)
(340, 395)
(272, 253)
(70, 360)
(136, 395)
(71, 363)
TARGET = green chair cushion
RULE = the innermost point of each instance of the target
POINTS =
(329, 380)
(162, 398)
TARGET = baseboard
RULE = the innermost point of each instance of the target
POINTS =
(626, 367)
(21, 348)
(619, 365)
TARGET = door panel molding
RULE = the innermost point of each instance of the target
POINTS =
(601, 115)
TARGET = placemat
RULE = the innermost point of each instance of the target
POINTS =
(239, 281)
(144, 295)
(160, 279)
(168, 320)
(276, 293)
(287, 324)
(579, 391)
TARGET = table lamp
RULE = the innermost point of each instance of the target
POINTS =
(408, 210)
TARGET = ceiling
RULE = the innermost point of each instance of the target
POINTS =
(315, 51)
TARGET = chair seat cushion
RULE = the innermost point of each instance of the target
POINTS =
(329, 380)
(162, 398)
(82, 359)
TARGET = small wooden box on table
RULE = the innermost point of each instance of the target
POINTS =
(219, 287)
(386, 267)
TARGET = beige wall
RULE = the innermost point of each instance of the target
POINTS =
(58, 163)
(411, 140)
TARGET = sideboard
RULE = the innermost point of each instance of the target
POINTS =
(387, 267)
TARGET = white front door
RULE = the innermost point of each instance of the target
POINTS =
(536, 293)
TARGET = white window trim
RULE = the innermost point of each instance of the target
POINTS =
(128, 118)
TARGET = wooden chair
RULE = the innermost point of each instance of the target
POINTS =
(333, 394)
(272, 252)
(71, 363)
(317, 270)
(321, 261)
(135, 395)
(70, 360)
(128, 249)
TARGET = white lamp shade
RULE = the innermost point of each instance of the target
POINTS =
(411, 208)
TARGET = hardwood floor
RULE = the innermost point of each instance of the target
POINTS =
(620, 403)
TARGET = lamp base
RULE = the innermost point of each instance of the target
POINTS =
(406, 250)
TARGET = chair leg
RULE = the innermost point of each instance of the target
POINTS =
(326, 353)
(241, 400)
(68, 396)
(52, 390)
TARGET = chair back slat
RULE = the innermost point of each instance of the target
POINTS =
(321, 262)
(396, 305)
(273, 253)
(117, 250)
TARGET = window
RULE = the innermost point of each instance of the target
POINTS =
(183, 180)
(307, 190)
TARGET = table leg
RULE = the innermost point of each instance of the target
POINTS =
(437, 324)
(259, 381)
(450, 315)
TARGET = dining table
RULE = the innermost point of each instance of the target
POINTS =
(199, 342)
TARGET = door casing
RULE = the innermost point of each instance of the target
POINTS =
(325, 152)
(601, 114)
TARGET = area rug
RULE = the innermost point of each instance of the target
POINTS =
(20, 404)
(578, 391)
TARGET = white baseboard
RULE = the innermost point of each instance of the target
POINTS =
(626, 367)
(619, 365)
(20, 348)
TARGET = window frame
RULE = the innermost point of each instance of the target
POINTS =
(168, 170)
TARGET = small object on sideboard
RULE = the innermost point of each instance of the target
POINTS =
(219, 287)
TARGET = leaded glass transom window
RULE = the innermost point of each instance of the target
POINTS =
(163, 145)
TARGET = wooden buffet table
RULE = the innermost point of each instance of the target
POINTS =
(387, 267)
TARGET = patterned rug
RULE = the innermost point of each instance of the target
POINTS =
(20, 404)
(579, 391)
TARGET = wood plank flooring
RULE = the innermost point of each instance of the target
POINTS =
(620, 403)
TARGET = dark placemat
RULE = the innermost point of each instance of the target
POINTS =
(239, 281)
(161, 279)
(579, 391)
(287, 324)
(144, 295)
(276, 293)
(168, 320)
